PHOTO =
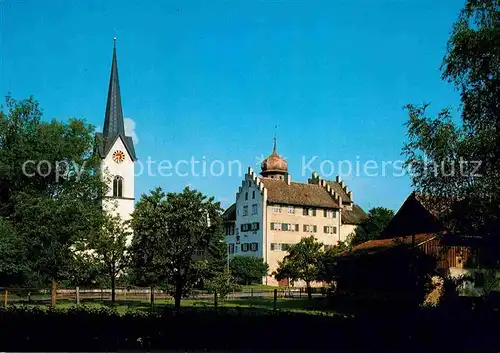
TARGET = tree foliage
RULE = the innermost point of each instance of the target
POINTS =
(168, 228)
(303, 262)
(50, 188)
(248, 269)
(373, 225)
(472, 190)
(108, 247)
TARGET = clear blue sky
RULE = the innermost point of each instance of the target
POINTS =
(212, 78)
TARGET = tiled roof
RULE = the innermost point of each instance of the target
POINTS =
(230, 213)
(300, 194)
(354, 216)
(379, 245)
(339, 190)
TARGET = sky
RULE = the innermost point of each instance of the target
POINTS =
(214, 81)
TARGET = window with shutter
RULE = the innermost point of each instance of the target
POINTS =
(284, 227)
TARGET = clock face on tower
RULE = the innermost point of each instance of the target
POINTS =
(118, 156)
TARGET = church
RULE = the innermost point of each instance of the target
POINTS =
(117, 152)
(272, 212)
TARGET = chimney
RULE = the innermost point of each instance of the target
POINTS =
(288, 178)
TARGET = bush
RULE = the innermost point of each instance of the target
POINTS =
(248, 269)
(101, 329)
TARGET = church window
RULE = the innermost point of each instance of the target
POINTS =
(118, 186)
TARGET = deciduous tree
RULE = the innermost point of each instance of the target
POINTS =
(168, 228)
(303, 262)
(373, 225)
(248, 269)
(109, 248)
(50, 186)
(467, 154)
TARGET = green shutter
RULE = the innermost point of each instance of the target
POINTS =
(304, 211)
(315, 228)
(272, 225)
(296, 227)
(325, 229)
(314, 212)
(325, 212)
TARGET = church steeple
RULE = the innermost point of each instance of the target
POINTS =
(113, 121)
(114, 126)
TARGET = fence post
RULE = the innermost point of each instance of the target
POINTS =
(300, 292)
(77, 295)
(275, 299)
(6, 294)
(251, 292)
(215, 299)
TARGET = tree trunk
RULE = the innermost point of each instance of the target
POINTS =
(152, 296)
(53, 292)
(178, 295)
(308, 287)
(113, 289)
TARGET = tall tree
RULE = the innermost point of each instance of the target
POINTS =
(109, 248)
(51, 186)
(303, 262)
(168, 228)
(148, 254)
(373, 225)
(461, 162)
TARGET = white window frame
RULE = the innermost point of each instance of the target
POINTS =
(245, 210)
(277, 208)
(291, 210)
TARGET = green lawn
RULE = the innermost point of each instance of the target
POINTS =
(315, 306)
(258, 286)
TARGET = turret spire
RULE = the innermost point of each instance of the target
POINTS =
(113, 121)
(114, 126)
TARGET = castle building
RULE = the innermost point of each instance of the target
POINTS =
(272, 212)
(117, 152)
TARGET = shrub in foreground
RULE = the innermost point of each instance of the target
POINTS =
(91, 329)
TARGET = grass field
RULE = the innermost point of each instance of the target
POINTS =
(315, 306)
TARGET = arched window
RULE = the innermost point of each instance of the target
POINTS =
(117, 186)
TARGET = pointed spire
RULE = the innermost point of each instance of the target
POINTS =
(274, 146)
(113, 121)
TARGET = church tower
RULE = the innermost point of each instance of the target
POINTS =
(117, 151)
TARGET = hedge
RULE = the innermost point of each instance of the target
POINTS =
(102, 329)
